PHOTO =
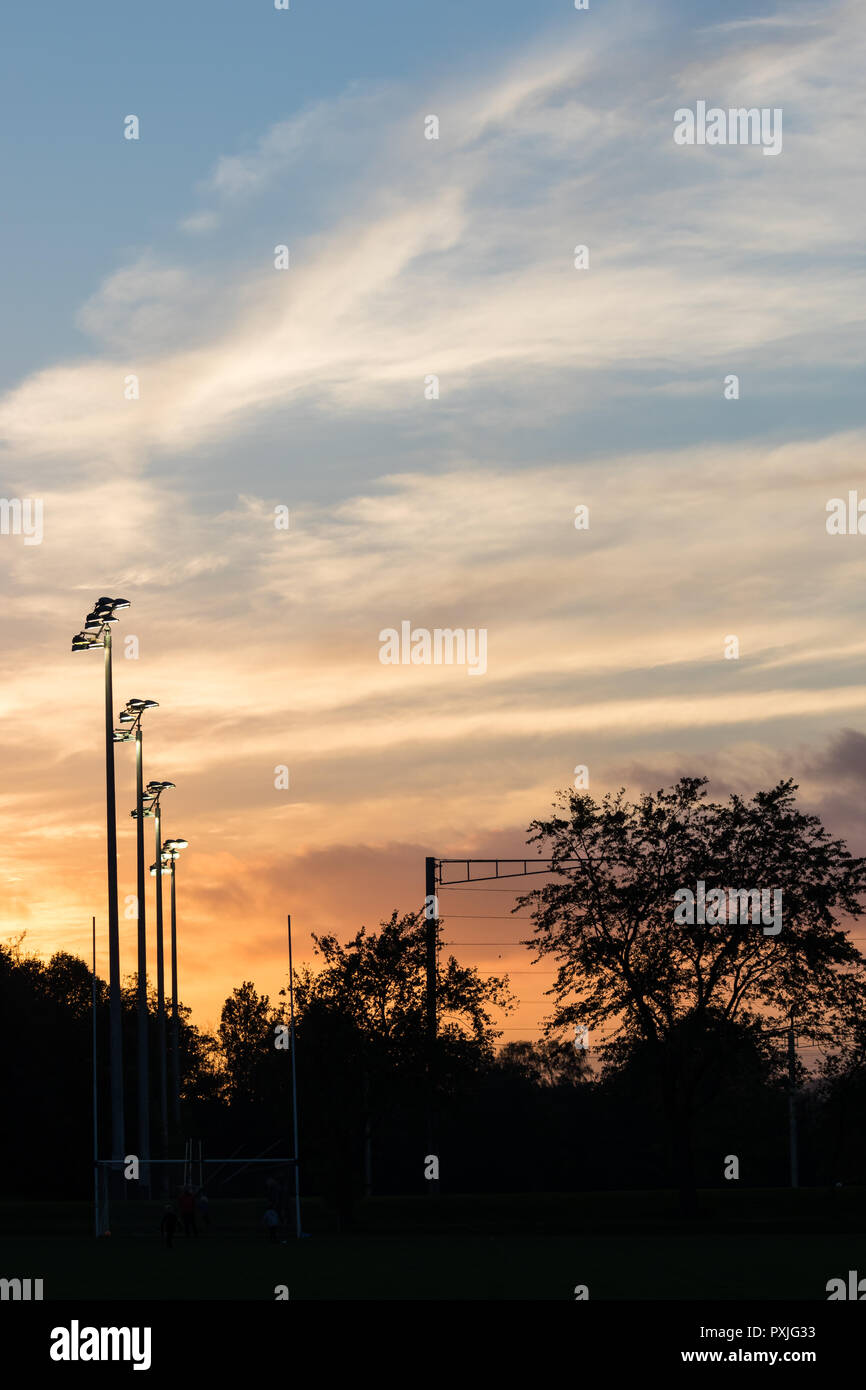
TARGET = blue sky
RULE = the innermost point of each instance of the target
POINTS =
(208, 82)
(207, 77)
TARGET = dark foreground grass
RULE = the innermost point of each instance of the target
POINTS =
(627, 1245)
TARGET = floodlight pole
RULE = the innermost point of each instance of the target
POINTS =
(175, 1027)
(95, 1094)
(115, 1015)
(160, 987)
(141, 886)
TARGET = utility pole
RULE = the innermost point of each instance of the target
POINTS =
(431, 917)
(502, 868)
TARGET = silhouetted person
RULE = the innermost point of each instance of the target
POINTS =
(168, 1225)
(187, 1212)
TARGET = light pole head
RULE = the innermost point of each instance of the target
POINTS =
(132, 713)
(152, 793)
(95, 632)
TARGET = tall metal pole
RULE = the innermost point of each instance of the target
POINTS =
(115, 1015)
(294, 1088)
(143, 1060)
(175, 1028)
(95, 1097)
(792, 1103)
(432, 919)
(431, 915)
(160, 989)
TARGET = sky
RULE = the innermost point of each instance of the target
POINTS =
(309, 388)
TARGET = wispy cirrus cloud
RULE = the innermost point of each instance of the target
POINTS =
(455, 256)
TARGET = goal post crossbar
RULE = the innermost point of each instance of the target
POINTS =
(241, 1162)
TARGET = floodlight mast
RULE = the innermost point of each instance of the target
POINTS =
(171, 852)
(97, 633)
(131, 717)
(152, 793)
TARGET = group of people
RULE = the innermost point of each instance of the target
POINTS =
(185, 1210)
(191, 1202)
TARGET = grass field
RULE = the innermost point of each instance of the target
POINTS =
(622, 1245)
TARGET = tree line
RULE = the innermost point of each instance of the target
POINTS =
(686, 1063)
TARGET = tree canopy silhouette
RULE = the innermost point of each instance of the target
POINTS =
(362, 1028)
(379, 979)
(609, 921)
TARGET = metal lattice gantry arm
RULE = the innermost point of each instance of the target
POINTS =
(435, 875)
(539, 866)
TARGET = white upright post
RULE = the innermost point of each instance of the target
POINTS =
(294, 1090)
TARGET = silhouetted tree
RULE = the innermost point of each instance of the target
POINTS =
(609, 922)
(547, 1062)
(371, 992)
(246, 1034)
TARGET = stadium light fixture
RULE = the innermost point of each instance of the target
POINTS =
(96, 633)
